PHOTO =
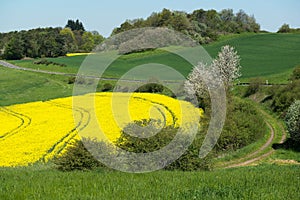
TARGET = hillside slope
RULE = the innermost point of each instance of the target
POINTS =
(263, 54)
(272, 56)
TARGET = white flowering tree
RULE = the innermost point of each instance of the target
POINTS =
(228, 64)
(202, 81)
(225, 68)
(195, 83)
(292, 120)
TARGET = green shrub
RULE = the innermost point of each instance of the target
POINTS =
(107, 87)
(77, 157)
(243, 125)
(47, 62)
(151, 88)
(145, 145)
(284, 96)
(253, 87)
(296, 74)
(71, 80)
(292, 120)
(189, 161)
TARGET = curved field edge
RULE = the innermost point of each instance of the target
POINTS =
(259, 150)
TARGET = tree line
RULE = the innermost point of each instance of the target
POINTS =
(285, 28)
(203, 26)
(48, 42)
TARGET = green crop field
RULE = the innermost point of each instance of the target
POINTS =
(22, 86)
(272, 56)
(265, 55)
(262, 182)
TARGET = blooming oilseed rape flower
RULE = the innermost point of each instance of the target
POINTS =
(11, 121)
(49, 124)
(42, 130)
(78, 54)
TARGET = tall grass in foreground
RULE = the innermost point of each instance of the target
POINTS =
(262, 182)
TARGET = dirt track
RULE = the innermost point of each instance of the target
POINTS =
(268, 143)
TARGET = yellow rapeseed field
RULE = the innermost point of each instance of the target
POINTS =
(12, 122)
(39, 131)
(78, 54)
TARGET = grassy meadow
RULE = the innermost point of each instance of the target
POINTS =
(262, 182)
(20, 87)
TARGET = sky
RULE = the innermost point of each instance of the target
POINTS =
(104, 16)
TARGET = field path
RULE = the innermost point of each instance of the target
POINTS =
(254, 156)
(11, 66)
(8, 65)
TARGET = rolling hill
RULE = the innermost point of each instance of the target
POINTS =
(272, 56)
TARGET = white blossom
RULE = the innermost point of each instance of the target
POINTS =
(223, 70)
(293, 120)
(228, 64)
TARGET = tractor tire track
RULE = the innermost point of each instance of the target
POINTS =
(158, 109)
(25, 122)
(63, 142)
(174, 118)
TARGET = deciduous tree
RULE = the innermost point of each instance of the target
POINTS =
(228, 64)
(13, 49)
(292, 120)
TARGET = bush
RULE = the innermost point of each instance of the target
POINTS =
(254, 86)
(285, 28)
(145, 145)
(189, 161)
(107, 87)
(80, 80)
(283, 97)
(292, 120)
(77, 157)
(72, 80)
(296, 74)
(243, 125)
(47, 62)
(151, 88)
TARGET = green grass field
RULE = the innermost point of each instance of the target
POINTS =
(21, 87)
(261, 182)
(271, 56)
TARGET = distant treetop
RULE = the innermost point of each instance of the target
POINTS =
(201, 25)
(75, 25)
(285, 28)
